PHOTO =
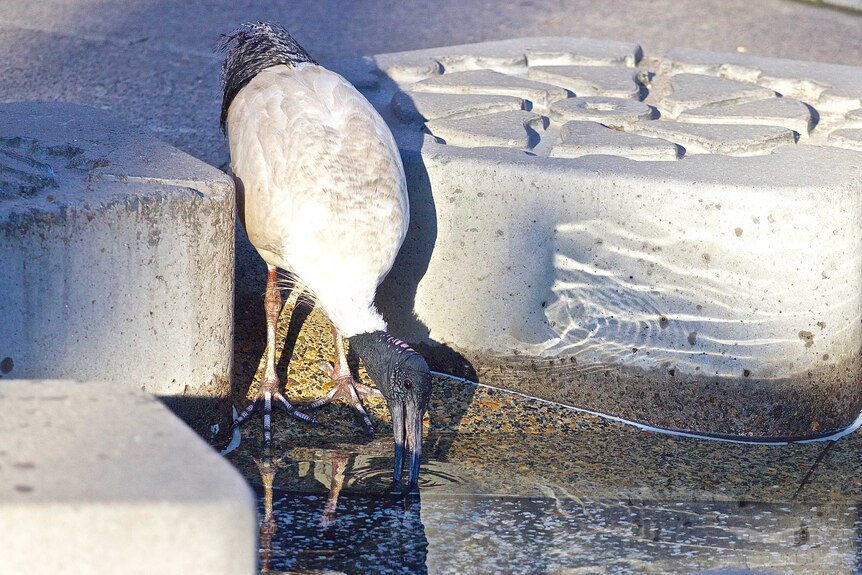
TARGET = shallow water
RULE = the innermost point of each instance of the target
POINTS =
(610, 499)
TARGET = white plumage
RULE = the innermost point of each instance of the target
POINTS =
(322, 194)
(324, 190)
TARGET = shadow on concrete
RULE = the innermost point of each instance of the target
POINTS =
(396, 296)
(198, 412)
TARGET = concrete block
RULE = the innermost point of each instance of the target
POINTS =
(718, 292)
(612, 112)
(540, 95)
(103, 479)
(847, 138)
(688, 91)
(610, 81)
(117, 255)
(416, 106)
(513, 129)
(785, 112)
(728, 139)
(829, 88)
(590, 138)
(853, 118)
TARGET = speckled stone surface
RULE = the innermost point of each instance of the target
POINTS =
(539, 487)
(97, 479)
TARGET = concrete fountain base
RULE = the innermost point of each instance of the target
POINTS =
(674, 240)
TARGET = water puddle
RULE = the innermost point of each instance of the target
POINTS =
(609, 499)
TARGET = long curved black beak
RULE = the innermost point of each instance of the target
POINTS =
(407, 430)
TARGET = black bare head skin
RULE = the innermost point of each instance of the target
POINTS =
(251, 49)
(402, 375)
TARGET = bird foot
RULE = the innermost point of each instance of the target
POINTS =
(351, 390)
(263, 401)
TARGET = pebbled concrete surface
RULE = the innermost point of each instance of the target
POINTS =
(510, 480)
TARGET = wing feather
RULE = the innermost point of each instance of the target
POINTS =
(325, 193)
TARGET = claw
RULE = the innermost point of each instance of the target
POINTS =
(286, 405)
(346, 388)
(265, 397)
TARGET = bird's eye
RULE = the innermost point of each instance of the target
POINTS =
(408, 383)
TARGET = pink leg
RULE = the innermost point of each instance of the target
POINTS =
(345, 385)
(269, 387)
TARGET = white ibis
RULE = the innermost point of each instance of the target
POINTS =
(322, 194)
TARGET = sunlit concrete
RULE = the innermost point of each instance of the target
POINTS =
(100, 479)
(728, 274)
(117, 259)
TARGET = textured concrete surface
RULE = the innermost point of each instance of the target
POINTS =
(118, 259)
(102, 479)
(715, 290)
(509, 480)
(151, 63)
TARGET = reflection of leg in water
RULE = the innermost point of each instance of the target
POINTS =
(267, 467)
(339, 464)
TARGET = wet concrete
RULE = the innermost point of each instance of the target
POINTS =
(817, 403)
(512, 484)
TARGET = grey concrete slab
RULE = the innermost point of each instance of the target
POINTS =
(610, 81)
(591, 138)
(687, 91)
(118, 259)
(847, 138)
(727, 139)
(419, 106)
(96, 479)
(830, 88)
(511, 129)
(540, 95)
(785, 112)
(853, 118)
(612, 112)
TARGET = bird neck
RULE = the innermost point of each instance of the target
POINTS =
(252, 49)
(378, 351)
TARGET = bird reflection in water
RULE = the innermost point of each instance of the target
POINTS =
(268, 527)
(341, 533)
